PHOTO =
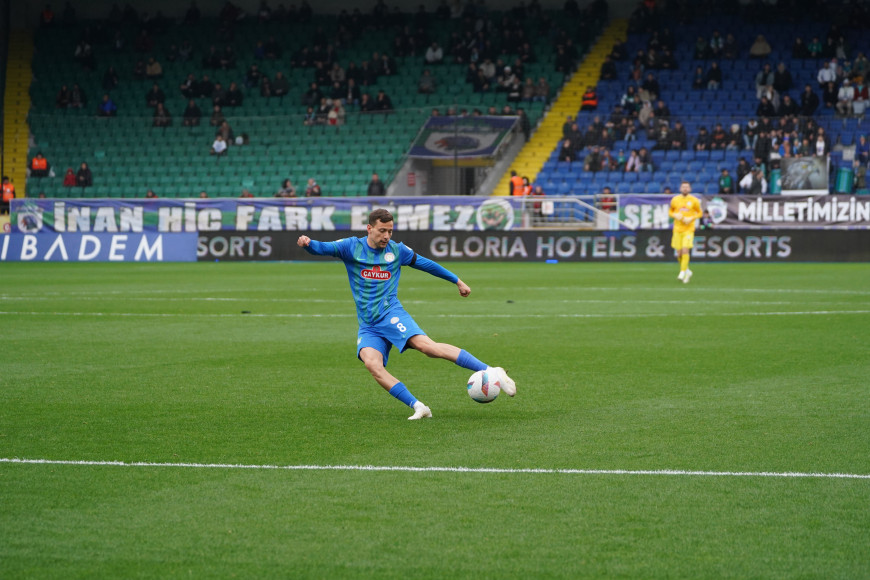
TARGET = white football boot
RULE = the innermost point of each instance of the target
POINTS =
(687, 277)
(506, 383)
(420, 411)
(682, 275)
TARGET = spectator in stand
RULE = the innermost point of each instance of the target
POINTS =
(809, 102)
(861, 97)
(765, 108)
(434, 54)
(110, 79)
(313, 189)
(713, 77)
(69, 178)
(650, 89)
(763, 79)
(280, 85)
(782, 80)
(153, 70)
(189, 87)
(107, 107)
(219, 147)
(698, 79)
(235, 97)
(845, 98)
(528, 90)
(542, 91)
(702, 141)
(678, 137)
(743, 168)
(150, 194)
(799, 49)
(862, 150)
(828, 73)
(310, 117)
(162, 118)
(821, 147)
(702, 49)
(205, 87)
(568, 151)
(861, 67)
(226, 132)
(311, 97)
(217, 116)
(731, 49)
(39, 166)
(287, 189)
(754, 183)
(366, 104)
(77, 98)
(192, 114)
(787, 107)
(84, 55)
(829, 96)
(84, 177)
(630, 102)
(718, 138)
(760, 48)
(717, 45)
(265, 87)
(246, 193)
(337, 114)
(376, 187)
(592, 161)
(735, 138)
(608, 70)
(61, 101)
(383, 102)
(253, 76)
(155, 96)
(426, 84)
(606, 200)
(726, 182)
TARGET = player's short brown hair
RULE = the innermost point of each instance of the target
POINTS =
(380, 215)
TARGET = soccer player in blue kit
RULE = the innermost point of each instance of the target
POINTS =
(373, 264)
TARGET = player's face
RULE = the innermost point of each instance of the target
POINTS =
(685, 188)
(380, 234)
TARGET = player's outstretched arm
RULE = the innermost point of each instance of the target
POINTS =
(464, 290)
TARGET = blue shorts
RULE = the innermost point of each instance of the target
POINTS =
(394, 329)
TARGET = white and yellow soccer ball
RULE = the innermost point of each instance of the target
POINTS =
(483, 386)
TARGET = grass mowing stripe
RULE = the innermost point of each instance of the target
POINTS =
(409, 468)
(490, 315)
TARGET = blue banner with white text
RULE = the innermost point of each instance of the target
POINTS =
(117, 247)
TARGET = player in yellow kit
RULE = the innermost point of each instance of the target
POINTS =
(685, 209)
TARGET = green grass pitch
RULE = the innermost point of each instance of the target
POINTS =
(748, 369)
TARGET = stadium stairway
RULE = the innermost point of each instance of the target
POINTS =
(16, 104)
(535, 153)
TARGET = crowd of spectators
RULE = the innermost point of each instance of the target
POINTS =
(785, 124)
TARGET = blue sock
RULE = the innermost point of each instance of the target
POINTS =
(403, 394)
(467, 361)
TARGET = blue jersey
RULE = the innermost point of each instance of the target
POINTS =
(374, 272)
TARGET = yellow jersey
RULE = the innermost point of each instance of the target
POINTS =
(685, 206)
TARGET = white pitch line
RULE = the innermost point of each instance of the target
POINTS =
(412, 469)
(518, 315)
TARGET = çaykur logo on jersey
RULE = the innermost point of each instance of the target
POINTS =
(375, 273)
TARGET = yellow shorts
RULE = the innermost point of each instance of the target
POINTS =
(682, 241)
